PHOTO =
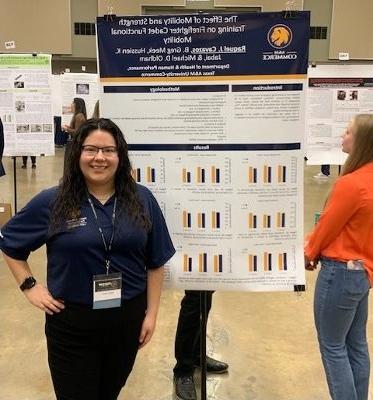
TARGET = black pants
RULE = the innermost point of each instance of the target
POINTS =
(325, 169)
(92, 352)
(24, 160)
(188, 334)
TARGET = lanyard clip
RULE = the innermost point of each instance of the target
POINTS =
(107, 267)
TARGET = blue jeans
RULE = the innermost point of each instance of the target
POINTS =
(341, 312)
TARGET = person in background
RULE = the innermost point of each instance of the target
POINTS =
(188, 343)
(342, 242)
(24, 162)
(96, 110)
(79, 117)
(107, 242)
(324, 173)
(2, 171)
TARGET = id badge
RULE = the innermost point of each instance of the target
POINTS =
(107, 290)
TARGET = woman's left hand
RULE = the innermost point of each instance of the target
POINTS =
(308, 264)
(147, 330)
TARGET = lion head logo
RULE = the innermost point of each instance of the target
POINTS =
(279, 36)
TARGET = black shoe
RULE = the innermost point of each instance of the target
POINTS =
(24, 166)
(33, 166)
(185, 388)
(214, 366)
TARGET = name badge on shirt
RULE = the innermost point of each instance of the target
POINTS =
(107, 290)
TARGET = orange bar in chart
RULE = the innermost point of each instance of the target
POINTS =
(213, 174)
(280, 262)
(280, 223)
(184, 175)
(200, 262)
(216, 263)
(281, 174)
(185, 267)
(252, 262)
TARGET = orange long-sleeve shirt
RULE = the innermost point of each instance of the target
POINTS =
(345, 229)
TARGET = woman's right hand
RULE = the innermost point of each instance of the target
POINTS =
(40, 297)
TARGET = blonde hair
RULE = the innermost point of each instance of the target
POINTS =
(362, 149)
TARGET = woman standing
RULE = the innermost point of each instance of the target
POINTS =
(107, 242)
(79, 117)
(342, 241)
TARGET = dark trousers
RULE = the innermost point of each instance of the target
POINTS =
(188, 334)
(92, 352)
(24, 159)
(325, 169)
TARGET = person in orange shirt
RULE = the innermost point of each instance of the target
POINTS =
(343, 243)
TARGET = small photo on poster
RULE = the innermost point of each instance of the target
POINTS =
(47, 127)
(23, 128)
(353, 95)
(82, 88)
(341, 95)
(20, 106)
(19, 84)
(36, 128)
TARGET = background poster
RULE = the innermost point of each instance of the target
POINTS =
(213, 109)
(335, 94)
(26, 104)
(80, 85)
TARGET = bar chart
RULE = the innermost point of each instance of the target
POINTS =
(144, 175)
(266, 171)
(276, 220)
(149, 169)
(203, 263)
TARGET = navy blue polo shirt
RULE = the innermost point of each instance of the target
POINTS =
(77, 252)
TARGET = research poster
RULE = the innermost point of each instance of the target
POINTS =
(81, 85)
(26, 104)
(336, 93)
(213, 108)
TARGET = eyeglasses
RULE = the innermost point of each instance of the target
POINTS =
(92, 151)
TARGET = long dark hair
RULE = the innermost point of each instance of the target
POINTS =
(79, 109)
(73, 190)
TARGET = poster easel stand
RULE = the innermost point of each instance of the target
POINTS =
(15, 183)
(203, 326)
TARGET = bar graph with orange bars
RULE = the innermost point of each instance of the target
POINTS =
(201, 175)
(267, 261)
(281, 173)
(186, 176)
(202, 262)
(215, 220)
(187, 263)
(201, 220)
(267, 174)
(187, 219)
(252, 262)
(252, 221)
(149, 175)
(280, 220)
(215, 175)
(252, 175)
(282, 262)
(218, 263)
(266, 221)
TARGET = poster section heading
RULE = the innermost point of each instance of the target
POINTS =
(203, 45)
